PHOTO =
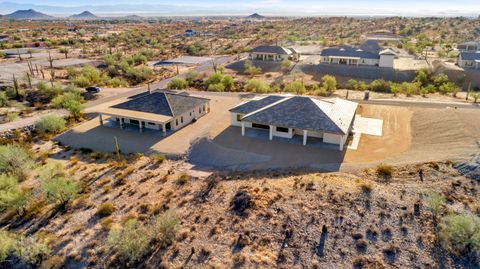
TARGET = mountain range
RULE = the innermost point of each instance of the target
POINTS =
(86, 15)
(28, 14)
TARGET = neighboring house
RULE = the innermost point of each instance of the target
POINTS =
(165, 111)
(274, 53)
(190, 32)
(471, 46)
(288, 116)
(469, 60)
(369, 53)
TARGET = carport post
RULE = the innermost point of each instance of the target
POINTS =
(342, 142)
(164, 129)
(121, 123)
(271, 132)
(243, 128)
(304, 137)
(101, 119)
(140, 126)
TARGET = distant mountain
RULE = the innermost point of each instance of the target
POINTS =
(256, 16)
(28, 14)
(132, 18)
(86, 15)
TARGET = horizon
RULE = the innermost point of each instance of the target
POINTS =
(372, 8)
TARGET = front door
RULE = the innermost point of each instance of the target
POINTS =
(168, 126)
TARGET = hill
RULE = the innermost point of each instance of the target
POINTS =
(86, 15)
(256, 16)
(28, 14)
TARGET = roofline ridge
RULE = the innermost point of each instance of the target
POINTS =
(168, 102)
(268, 106)
(329, 113)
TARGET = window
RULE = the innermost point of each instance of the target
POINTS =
(151, 123)
(239, 117)
(203, 108)
(181, 119)
(282, 129)
(176, 122)
(199, 110)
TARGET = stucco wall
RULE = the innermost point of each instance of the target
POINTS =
(187, 117)
(386, 61)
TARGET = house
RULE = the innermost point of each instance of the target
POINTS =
(190, 33)
(274, 53)
(160, 110)
(289, 116)
(469, 60)
(369, 53)
(471, 46)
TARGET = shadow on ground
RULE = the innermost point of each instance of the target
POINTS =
(231, 151)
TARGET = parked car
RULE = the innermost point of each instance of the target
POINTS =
(93, 89)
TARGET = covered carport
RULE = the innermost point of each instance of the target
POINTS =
(143, 120)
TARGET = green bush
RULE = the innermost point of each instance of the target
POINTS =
(380, 85)
(435, 202)
(3, 99)
(228, 82)
(30, 250)
(164, 228)
(177, 83)
(329, 83)
(12, 197)
(218, 87)
(250, 69)
(215, 78)
(286, 65)
(296, 87)
(7, 245)
(59, 190)
(447, 88)
(15, 161)
(131, 241)
(352, 84)
(460, 233)
(105, 210)
(159, 157)
(50, 124)
(253, 85)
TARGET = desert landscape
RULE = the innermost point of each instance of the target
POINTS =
(161, 138)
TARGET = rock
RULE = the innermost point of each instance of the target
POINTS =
(470, 169)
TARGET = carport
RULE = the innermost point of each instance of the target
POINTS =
(141, 119)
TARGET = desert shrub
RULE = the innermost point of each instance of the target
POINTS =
(296, 87)
(380, 85)
(47, 92)
(50, 124)
(228, 82)
(74, 107)
(177, 83)
(440, 79)
(435, 202)
(286, 65)
(250, 69)
(3, 99)
(192, 75)
(12, 197)
(447, 88)
(15, 161)
(352, 84)
(460, 233)
(329, 83)
(215, 78)
(218, 87)
(7, 245)
(59, 190)
(164, 228)
(159, 157)
(422, 76)
(105, 210)
(384, 170)
(30, 250)
(131, 241)
(253, 85)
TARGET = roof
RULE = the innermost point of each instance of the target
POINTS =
(388, 52)
(470, 56)
(371, 45)
(255, 104)
(300, 112)
(272, 49)
(162, 103)
(348, 51)
(470, 43)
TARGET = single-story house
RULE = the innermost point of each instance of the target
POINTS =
(274, 53)
(191, 32)
(469, 60)
(471, 46)
(369, 53)
(288, 116)
(159, 110)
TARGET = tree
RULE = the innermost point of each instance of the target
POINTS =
(75, 108)
(422, 76)
(296, 87)
(30, 250)
(131, 240)
(12, 197)
(7, 245)
(329, 83)
(50, 124)
(3, 99)
(15, 161)
(228, 82)
(59, 190)
(177, 83)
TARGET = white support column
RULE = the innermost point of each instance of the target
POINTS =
(342, 142)
(101, 119)
(304, 137)
(243, 128)
(271, 132)
(121, 123)
(140, 126)
(164, 129)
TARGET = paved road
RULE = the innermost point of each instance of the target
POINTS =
(206, 67)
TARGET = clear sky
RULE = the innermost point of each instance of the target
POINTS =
(293, 7)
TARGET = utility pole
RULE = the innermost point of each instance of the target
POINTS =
(468, 90)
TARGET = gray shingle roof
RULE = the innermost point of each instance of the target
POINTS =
(163, 103)
(371, 46)
(254, 105)
(348, 51)
(272, 49)
(470, 56)
(299, 112)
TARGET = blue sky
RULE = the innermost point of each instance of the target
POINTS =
(281, 7)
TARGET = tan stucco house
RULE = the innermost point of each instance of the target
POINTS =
(274, 53)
